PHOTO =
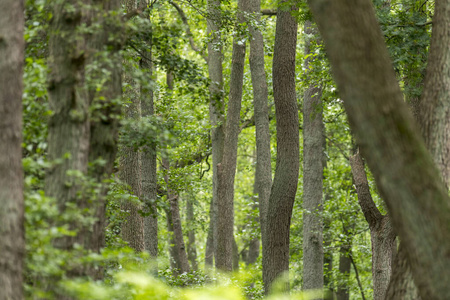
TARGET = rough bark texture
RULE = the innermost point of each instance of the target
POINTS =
(130, 173)
(227, 167)
(12, 242)
(263, 173)
(313, 132)
(69, 126)
(104, 123)
(148, 168)
(435, 102)
(282, 196)
(403, 169)
(382, 234)
(216, 111)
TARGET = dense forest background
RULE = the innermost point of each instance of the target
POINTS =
(224, 150)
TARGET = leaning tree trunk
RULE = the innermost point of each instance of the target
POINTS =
(227, 167)
(12, 242)
(385, 131)
(263, 172)
(216, 112)
(313, 132)
(284, 188)
(382, 233)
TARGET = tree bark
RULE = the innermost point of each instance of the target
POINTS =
(227, 167)
(263, 172)
(216, 112)
(385, 131)
(313, 132)
(191, 245)
(12, 243)
(284, 188)
(345, 264)
(382, 233)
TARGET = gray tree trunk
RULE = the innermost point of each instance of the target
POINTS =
(148, 167)
(384, 128)
(227, 167)
(263, 173)
(282, 196)
(12, 242)
(216, 112)
(191, 245)
(381, 231)
(313, 132)
(343, 292)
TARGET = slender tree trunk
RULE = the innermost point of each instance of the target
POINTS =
(345, 264)
(282, 196)
(12, 243)
(402, 167)
(313, 132)
(191, 245)
(227, 167)
(263, 173)
(381, 231)
(179, 260)
(148, 165)
(216, 112)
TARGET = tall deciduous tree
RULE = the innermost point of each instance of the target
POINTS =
(227, 167)
(263, 172)
(12, 243)
(403, 169)
(282, 196)
(313, 144)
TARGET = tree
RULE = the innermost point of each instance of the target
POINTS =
(284, 187)
(12, 244)
(403, 169)
(313, 144)
(227, 167)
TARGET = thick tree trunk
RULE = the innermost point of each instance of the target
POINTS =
(313, 132)
(227, 167)
(282, 196)
(12, 242)
(385, 131)
(216, 112)
(148, 168)
(105, 121)
(263, 173)
(130, 173)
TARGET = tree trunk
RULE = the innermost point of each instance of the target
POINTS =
(263, 173)
(12, 243)
(216, 112)
(105, 121)
(227, 167)
(313, 132)
(343, 292)
(384, 128)
(382, 234)
(180, 263)
(148, 166)
(284, 188)
(130, 173)
(191, 245)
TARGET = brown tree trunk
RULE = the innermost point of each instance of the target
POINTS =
(385, 131)
(263, 172)
(12, 242)
(191, 245)
(216, 112)
(282, 196)
(313, 132)
(343, 292)
(227, 167)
